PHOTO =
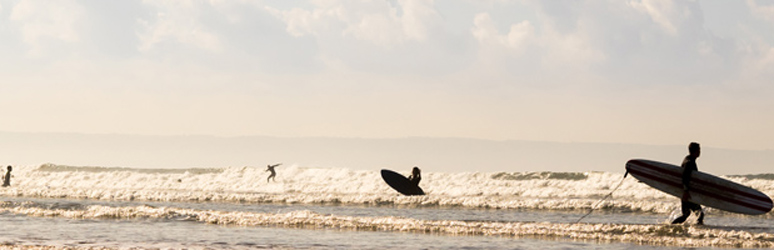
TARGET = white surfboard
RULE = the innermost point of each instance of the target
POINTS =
(705, 189)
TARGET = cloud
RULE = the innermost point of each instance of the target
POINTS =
(302, 22)
(758, 67)
(378, 37)
(533, 54)
(378, 22)
(664, 13)
(494, 69)
(561, 15)
(636, 42)
(177, 22)
(758, 49)
(485, 30)
(765, 12)
(42, 23)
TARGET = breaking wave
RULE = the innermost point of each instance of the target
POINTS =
(540, 176)
(299, 185)
(49, 167)
(755, 176)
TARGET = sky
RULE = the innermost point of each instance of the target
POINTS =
(635, 71)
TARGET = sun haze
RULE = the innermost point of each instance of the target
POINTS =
(634, 72)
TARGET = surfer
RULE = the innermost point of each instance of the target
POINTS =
(415, 177)
(689, 165)
(270, 168)
(7, 179)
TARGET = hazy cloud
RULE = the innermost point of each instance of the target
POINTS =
(43, 24)
(765, 12)
(176, 21)
(536, 70)
(486, 32)
(665, 13)
(378, 22)
(756, 49)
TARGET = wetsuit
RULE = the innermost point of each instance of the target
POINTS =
(689, 165)
(271, 169)
(414, 179)
(7, 180)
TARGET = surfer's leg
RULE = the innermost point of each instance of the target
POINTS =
(686, 208)
(696, 208)
(680, 219)
(700, 221)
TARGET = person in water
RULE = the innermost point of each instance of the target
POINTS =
(415, 177)
(270, 168)
(689, 166)
(7, 179)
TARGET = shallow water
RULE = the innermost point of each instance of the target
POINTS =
(152, 233)
(105, 207)
(62, 222)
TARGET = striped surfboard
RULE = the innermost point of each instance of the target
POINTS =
(705, 189)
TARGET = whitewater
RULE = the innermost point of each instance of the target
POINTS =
(56, 206)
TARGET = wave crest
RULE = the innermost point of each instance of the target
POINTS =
(50, 167)
(755, 176)
(572, 176)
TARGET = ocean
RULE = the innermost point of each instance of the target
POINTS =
(65, 207)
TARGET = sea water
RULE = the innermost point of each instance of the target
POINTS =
(321, 208)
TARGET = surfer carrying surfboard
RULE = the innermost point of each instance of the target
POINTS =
(415, 177)
(405, 186)
(689, 166)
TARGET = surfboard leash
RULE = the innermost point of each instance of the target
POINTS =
(604, 198)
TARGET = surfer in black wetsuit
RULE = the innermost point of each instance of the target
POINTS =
(414, 178)
(270, 168)
(7, 179)
(689, 166)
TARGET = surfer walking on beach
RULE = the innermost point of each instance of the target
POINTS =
(7, 179)
(270, 168)
(689, 166)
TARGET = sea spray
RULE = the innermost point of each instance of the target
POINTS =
(294, 185)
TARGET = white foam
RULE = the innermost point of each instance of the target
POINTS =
(664, 235)
(294, 184)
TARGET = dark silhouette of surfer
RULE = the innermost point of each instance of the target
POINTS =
(7, 179)
(689, 166)
(270, 168)
(415, 177)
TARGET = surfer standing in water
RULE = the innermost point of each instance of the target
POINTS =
(415, 177)
(689, 165)
(270, 168)
(7, 179)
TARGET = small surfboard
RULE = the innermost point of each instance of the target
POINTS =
(400, 183)
(705, 189)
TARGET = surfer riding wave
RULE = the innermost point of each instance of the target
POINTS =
(270, 168)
